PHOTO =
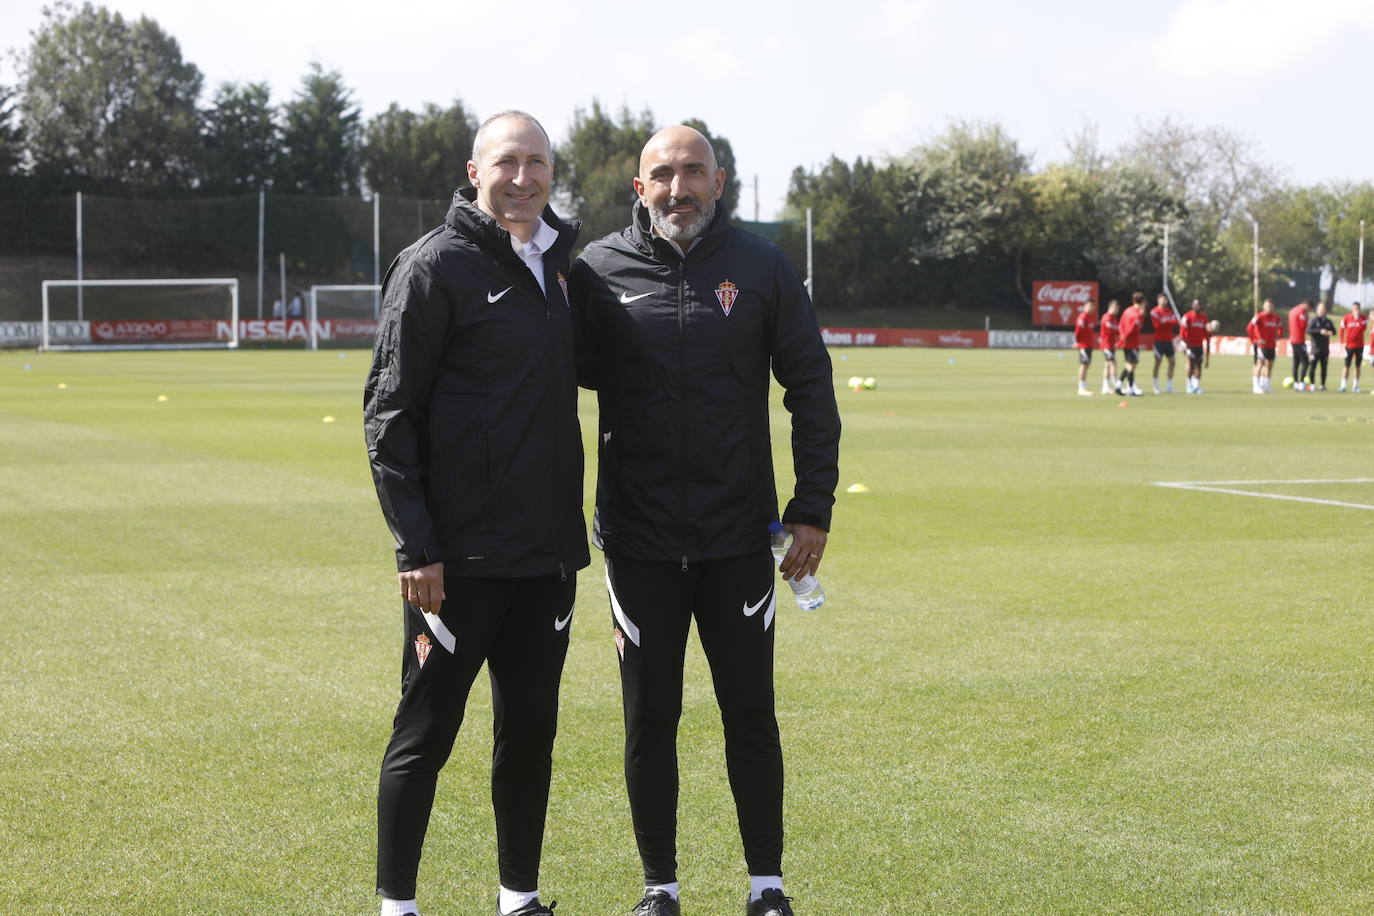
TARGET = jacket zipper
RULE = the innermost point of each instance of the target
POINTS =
(681, 293)
(682, 385)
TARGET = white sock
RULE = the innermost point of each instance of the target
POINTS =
(672, 890)
(509, 901)
(398, 907)
(760, 883)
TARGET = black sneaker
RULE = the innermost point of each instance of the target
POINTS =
(772, 903)
(534, 908)
(657, 903)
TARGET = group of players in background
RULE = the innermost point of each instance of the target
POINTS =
(1319, 329)
(1121, 330)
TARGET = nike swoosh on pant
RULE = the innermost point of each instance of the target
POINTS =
(560, 623)
(627, 625)
(492, 297)
(626, 298)
(441, 632)
(772, 598)
(751, 609)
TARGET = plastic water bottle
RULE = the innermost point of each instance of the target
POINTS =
(807, 590)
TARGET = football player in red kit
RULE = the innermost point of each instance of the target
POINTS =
(1264, 330)
(1195, 336)
(1084, 330)
(1108, 338)
(1131, 322)
(1166, 324)
(1352, 336)
(1297, 340)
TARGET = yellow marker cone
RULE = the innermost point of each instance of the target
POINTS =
(61, 384)
(857, 488)
(328, 419)
(162, 397)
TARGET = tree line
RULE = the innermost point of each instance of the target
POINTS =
(107, 105)
(965, 221)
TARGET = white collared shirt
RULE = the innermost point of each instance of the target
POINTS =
(533, 252)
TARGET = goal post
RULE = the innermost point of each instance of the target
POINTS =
(352, 310)
(153, 329)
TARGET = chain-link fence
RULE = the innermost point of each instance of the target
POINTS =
(278, 246)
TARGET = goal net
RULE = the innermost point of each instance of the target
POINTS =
(144, 314)
(344, 315)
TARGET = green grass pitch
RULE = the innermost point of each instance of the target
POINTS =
(1040, 684)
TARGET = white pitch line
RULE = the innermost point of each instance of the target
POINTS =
(1255, 483)
(1225, 486)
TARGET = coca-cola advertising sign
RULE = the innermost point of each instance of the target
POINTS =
(1057, 302)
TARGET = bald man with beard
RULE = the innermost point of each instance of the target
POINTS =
(682, 318)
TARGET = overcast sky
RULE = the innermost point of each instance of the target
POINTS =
(792, 83)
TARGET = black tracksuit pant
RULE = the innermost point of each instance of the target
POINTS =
(519, 628)
(734, 602)
(1300, 362)
(1319, 358)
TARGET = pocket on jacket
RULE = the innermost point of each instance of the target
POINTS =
(461, 474)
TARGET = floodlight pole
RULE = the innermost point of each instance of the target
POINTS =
(80, 260)
(1256, 247)
(810, 281)
(376, 254)
(1167, 292)
(262, 233)
(1360, 284)
(285, 328)
(1166, 255)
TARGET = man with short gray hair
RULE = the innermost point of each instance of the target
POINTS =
(470, 417)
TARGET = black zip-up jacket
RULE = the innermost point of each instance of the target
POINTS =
(470, 407)
(1321, 343)
(679, 350)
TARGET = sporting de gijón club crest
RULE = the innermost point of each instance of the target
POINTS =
(726, 294)
(422, 648)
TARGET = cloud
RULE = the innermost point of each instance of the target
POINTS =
(904, 22)
(885, 125)
(1252, 38)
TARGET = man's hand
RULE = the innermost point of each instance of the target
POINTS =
(804, 557)
(423, 587)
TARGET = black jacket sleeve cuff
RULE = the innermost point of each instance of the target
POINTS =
(794, 516)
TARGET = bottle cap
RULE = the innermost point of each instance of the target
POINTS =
(775, 527)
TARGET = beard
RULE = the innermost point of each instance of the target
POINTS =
(677, 232)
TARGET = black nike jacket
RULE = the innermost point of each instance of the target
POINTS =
(470, 406)
(679, 351)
